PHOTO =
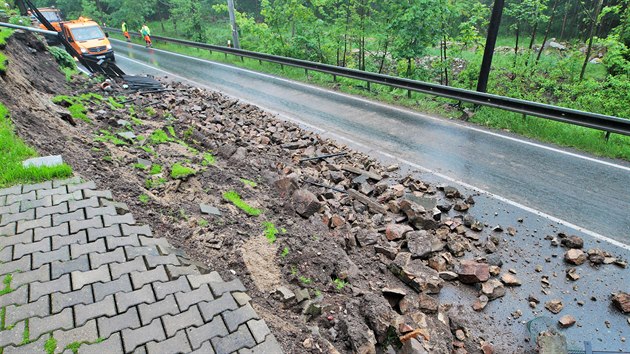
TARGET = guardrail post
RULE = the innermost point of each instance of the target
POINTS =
(408, 93)
(306, 73)
(368, 86)
(607, 136)
(335, 78)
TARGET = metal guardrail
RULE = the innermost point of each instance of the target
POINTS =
(606, 123)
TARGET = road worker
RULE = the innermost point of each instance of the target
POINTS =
(146, 34)
(125, 31)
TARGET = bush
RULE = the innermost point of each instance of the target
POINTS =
(63, 58)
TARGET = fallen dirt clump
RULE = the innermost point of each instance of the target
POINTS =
(340, 253)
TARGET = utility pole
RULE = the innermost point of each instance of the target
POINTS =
(491, 40)
(237, 45)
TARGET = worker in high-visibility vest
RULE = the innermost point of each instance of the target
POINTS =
(146, 34)
(125, 31)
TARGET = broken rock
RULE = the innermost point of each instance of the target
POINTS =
(554, 306)
(397, 231)
(471, 272)
(422, 244)
(575, 256)
(566, 321)
(572, 242)
(493, 289)
(414, 273)
(305, 203)
(480, 303)
(510, 280)
(622, 302)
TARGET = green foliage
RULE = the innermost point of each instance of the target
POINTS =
(155, 169)
(270, 231)
(26, 335)
(51, 345)
(114, 104)
(248, 182)
(78, 111)
(208, 159)
(107, 136)
(140, 166)
(143, 198)
(234, 198)
(62, 58)
(74, 347)
(3, 316)
(150, 111)
(340, 283)
(179, 171)
(305, 280)
(3, 63)
(152, 183)
(13, 151)
(159, 137)
(202, 222)
(4, 34)
(285, 252)
(7, 284)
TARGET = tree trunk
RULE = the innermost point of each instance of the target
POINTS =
(553, 13)
(591, 33)
(408, 67)
(534, 30)
(564, 21)
(518, 32)
(446, 66)
(380, 68)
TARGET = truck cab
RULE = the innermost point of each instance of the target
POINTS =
(87, 38)
(53, 16)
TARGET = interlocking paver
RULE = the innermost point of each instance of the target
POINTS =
(36, 347)
(133, 252)
(154, 261)
(112, 344)
(146, 241)
(138, 279)
(96, 211)
(24, 225)
(197, 279)
(59, 301)
(40, 258)
(115, 256)
(61, 285)
(118, 205)
(3, 199)
(120, 285)
(21, 249)
(79, 238)
(118, 269)
(64, 218)
(138, 230)
(78, 250)
(67, 181)
(149, 312)
(39, 308)
(212, 308)
(9, 209)
(116, 242)
(259, 330)
(89, 193)
(12, 336)
(17, 189)
(126, 300)
(81, 264)
(35, 186)
(16, 297)
(241, 298)
(62, 320)
(8, 229)
(6, 252)
(212, 329)
(178, 271)
(12, 198)
(177, 344)
(170, 287)
(40, 274)
(233, 319)
(51, 192)
(189, 298)
(36, 203)
(59, 230)
(110, 220)
(105, 307)
(112, 231)
(79, 279)
(80, 186)
(82, 204)
(233, 342)
(206, 348)
(24, 237)
(9, 218)
(135, 337)
(83, 333)
(190, 318)
(51, 210)
(219, 288)
(76, 195)
(128, 319)
(21, 264)
(269, 346)
(76, 225)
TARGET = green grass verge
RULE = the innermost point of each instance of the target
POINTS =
(13, 151)
(234, 198)
(585, 139)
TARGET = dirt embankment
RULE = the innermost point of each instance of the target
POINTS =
(360, 253)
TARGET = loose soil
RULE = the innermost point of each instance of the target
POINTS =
(341, 251)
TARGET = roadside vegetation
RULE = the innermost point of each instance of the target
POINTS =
(560, 52)
(4, 34)
(13, 151)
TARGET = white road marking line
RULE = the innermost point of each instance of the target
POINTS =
(403, 110)
(419, 167)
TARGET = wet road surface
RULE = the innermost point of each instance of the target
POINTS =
(581, 191)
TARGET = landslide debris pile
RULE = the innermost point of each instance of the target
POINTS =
(342, 254)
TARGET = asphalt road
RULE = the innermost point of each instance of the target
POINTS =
(551, 189)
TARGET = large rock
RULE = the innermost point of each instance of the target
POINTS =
(378, 314)
(286, 186)
(418, 216)
(416, 274)
(305, 203)
(422, 243)
(361, 337)
(622, 302)
(572, 242)
(396, 231)
(471, 272)
(575, 256)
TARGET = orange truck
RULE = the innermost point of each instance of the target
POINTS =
(53, 16)
(87, 38)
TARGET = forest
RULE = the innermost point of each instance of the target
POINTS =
(572, 53)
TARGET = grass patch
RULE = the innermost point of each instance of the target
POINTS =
(3, 316)
(74, 346)
(202, 222)
(140, 166)
(13, 151)
(285, 252)
(3, 63)
(180, 171)
(7, 284)
(159, 137)
(234, 198)
(270, 231)
(114, 104)
(78, 111)
(150, 111)
(208, 159)
(154, 183)
(248, 182)
(305, 280)
(26, 335)
(143, 198)
(109, 137)
(51, 345)
(340, 283)
(4, 34)
(155, 169)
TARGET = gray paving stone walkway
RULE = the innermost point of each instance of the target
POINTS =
(80, 275)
